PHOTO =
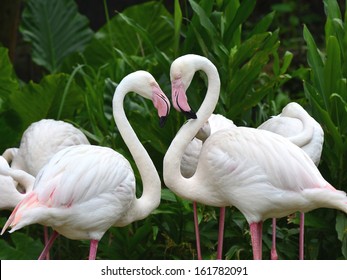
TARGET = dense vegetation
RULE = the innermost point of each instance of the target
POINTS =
(264, 61)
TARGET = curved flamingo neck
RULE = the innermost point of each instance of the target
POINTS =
(305, 136)
(150, 197)
(185, 187)
(24, 179)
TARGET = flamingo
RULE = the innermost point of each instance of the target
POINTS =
(85, 189)
(40, 141)
(248, 168)
(188, 166)
(294, 123)
(304, 131)
(10, 183)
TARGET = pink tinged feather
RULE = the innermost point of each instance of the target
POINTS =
(28, 202)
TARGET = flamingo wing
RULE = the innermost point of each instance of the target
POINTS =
(81, 192)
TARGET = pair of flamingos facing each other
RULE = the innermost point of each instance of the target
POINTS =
(250, 169)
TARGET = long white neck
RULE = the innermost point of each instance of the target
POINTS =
(186, 187)
(151, 194)
(24, 179)
(305, 136)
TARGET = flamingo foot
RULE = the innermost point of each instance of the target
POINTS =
(274, 255)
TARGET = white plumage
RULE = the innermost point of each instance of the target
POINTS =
(263, 174)
(40, 141)
(301, 129)
(14, 185)
(86, 189)
(191, 155)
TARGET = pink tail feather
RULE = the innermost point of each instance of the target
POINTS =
(27, 202)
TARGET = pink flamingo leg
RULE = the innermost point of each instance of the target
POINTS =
(45, 234)
(274, 255)
(301, 236)
(48, 245)
(197, 233)
(256, 236)
(93, 248)
(221, 233)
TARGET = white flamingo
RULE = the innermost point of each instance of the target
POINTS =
(293, 123)
(40, 141)
(188, 167)
(86, 189)
(261, 173)
(304, 131)
(14, 185)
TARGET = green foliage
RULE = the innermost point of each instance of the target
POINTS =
(20, 246)
(55, 30)
(243, 58)
(9, 121)
(326, 89)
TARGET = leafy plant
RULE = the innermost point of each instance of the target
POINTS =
(55, 30)
(216, 31)
(79, 89)
(326, 89)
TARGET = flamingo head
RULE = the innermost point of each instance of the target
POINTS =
(181, 74)
(145, 85)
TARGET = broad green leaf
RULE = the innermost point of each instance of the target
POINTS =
(138, 30)
(315, 61)
(55, 30)
(247, 49)
(323, 115)
(341, 229)
(8, 81)
(177, 24)
(332, 67)
(287, 59)
(24, 248)
(168, 195)
(10, 124)
(243, 12)
(332, 9)
(204, 19)
(37, 101)
(263, 25)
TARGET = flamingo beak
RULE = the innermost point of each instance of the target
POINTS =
(180, 101)
(161, 103)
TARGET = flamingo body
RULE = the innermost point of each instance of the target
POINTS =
(64, 193)
(261, 173)
(191, 155)
(83, 190)
(291, 123)
(40, 141)
(301, 129)
(253, 170)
